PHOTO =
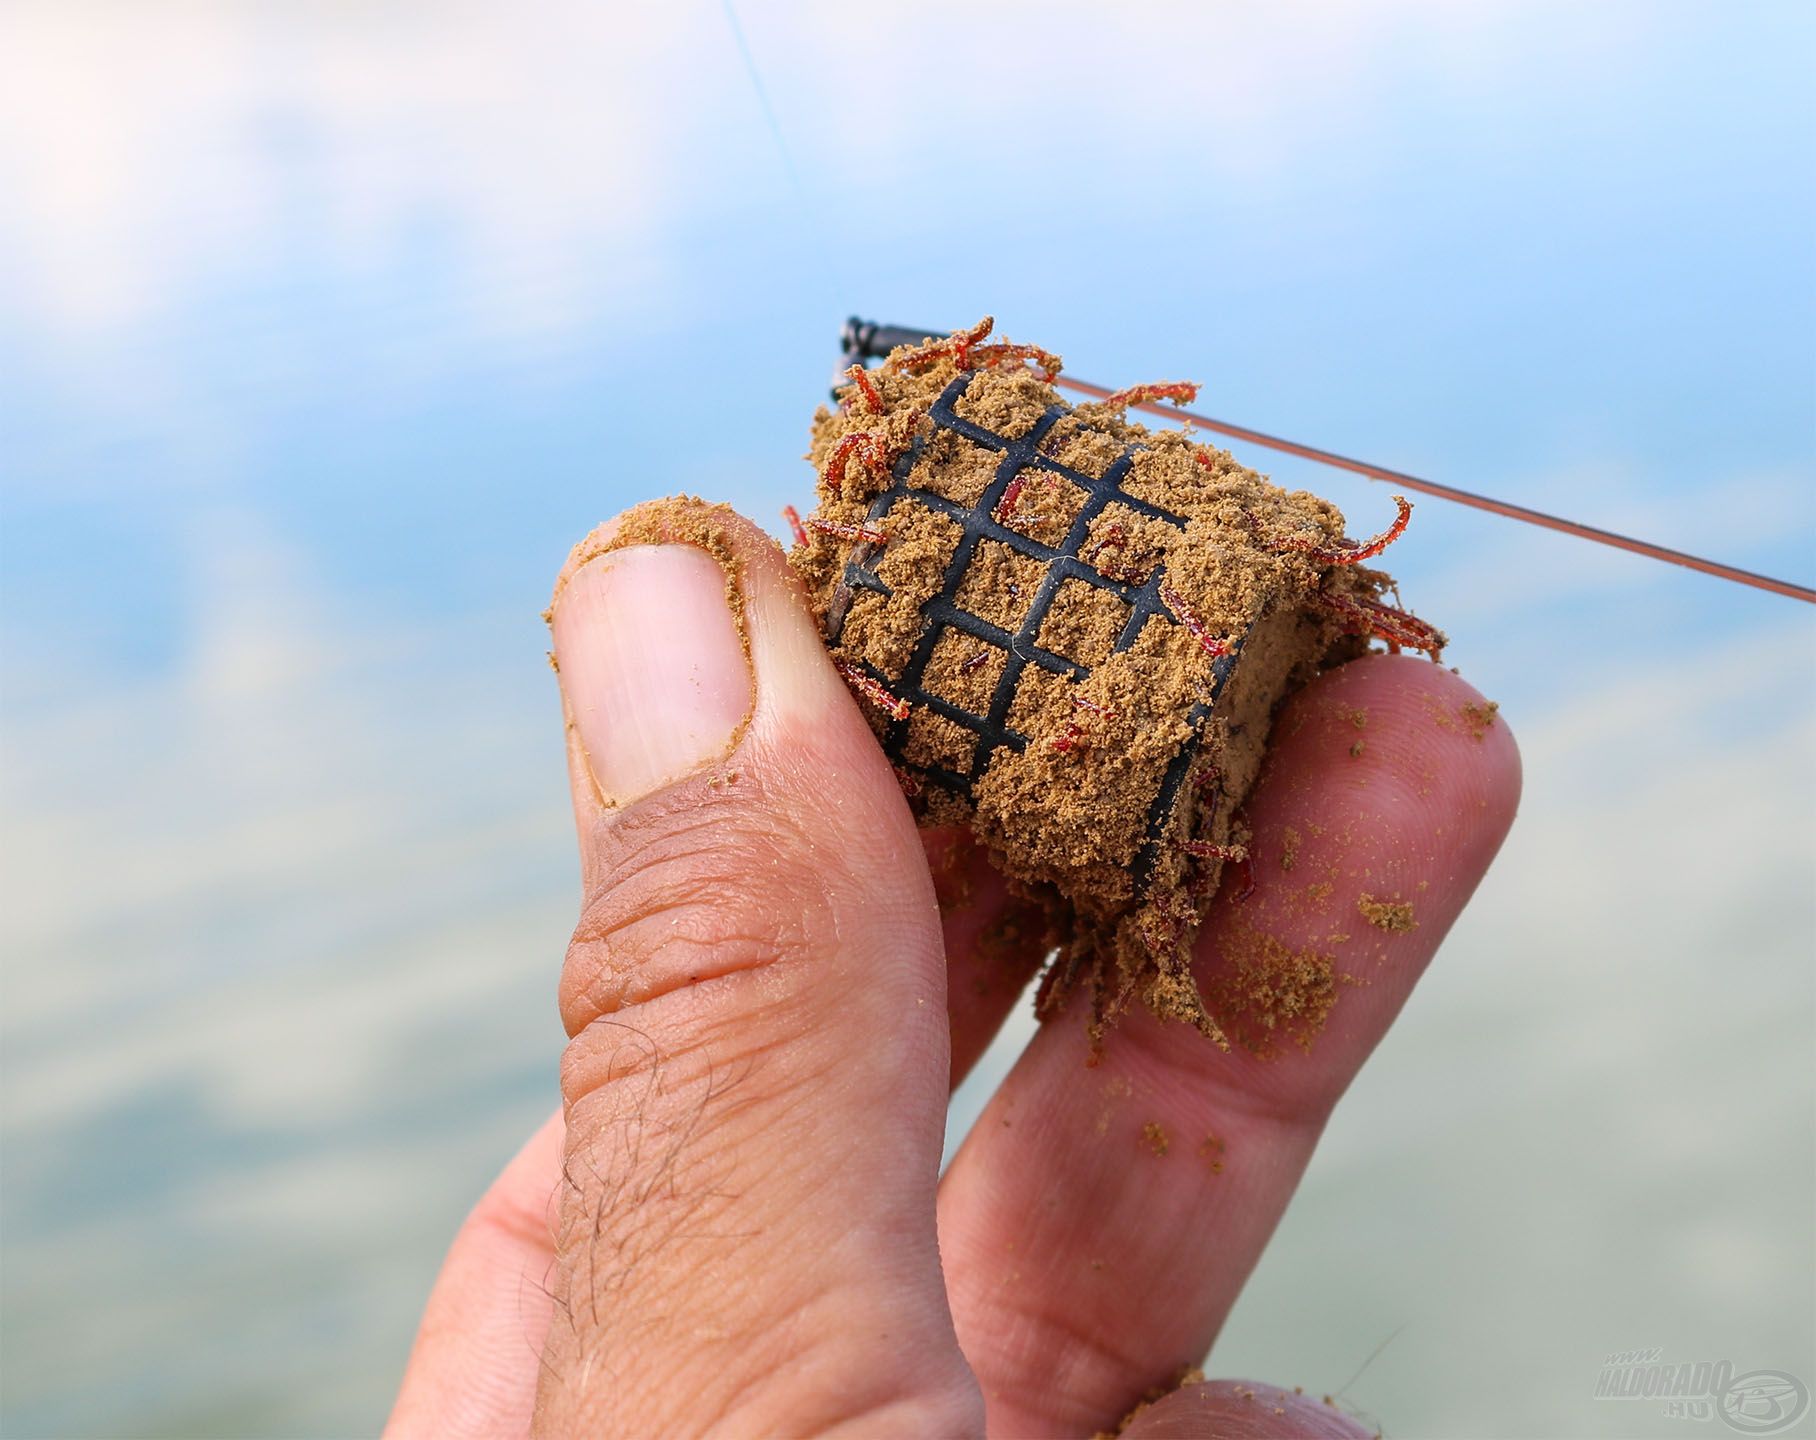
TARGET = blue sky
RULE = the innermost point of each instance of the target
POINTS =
(1500, 244)
(324, 331)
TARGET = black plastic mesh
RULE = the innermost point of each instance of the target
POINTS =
(1061, 562)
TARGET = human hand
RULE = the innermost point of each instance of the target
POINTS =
(736, 1223)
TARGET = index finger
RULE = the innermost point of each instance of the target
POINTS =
(1098, 1224)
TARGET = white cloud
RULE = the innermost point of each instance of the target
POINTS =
(303, 845)
(150, 151)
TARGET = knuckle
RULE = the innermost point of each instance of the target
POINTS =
(690, 889)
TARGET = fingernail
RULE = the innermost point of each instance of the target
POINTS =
(654, 671)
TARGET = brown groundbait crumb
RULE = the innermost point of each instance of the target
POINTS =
(1435, 708)
(1211, 1149)
(1069, 811)
(1190, 1376)
(1156, 1135)
(1266, 989)
(1391, 915)
(1480, 718)
(1289, 848)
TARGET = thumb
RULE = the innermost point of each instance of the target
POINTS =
(755, 1083)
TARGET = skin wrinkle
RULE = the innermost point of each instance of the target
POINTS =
(796, 1338)
(803, 773)
(663, 869)
(801, 1338)
(706, 1039)
(1248, 1103)
(1023, 1311)
(763, 814)
(1080, 1348)
(728, 947)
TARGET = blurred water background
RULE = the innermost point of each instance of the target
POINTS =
(324, 330)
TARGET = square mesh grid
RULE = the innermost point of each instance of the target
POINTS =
(1020, 648)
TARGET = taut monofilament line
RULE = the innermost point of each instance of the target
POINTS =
(865, 340)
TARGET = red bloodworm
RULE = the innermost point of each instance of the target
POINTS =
(874, 691)
(1371, 617)
(1074, 732)
(974, 661)
(793, 517)
(1245, 875)
(1176, 923)
(963, 340)
(910, 783)
(1204, 850)
(1114, 537)
(1005, 507)
(969, 353)
(1180, 392)
(869, 450)
(1371, 548)
(1046, 361)
(1209, 784)
(857, 534)
(1407, 630)
(860, 377)
(1175, 602)
(958, 345)
(1346, 552)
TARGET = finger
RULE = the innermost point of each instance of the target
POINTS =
(756, 1080)
(1099, 1223)
(1243, 1410)
(472, 1371)
(994, 943)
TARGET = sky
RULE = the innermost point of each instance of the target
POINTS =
(324, 331)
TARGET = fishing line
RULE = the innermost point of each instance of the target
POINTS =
(866, 340)
(833, 267)
(769, 110)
